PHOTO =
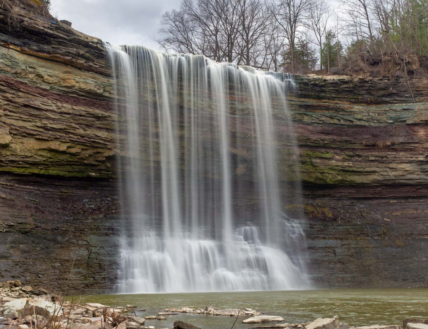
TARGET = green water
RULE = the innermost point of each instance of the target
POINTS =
(355, 307)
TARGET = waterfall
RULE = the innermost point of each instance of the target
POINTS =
(203, 204)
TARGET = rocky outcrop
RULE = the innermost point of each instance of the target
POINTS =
(362, 147)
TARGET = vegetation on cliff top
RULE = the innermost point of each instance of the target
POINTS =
(382, 37)
(40, 7)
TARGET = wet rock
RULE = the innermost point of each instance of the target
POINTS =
(151, 317)
(132, 325)
(263, 318)
(407, 321)
(328, 323)
(167, 313)
(131, 306)
(117, 310)
(212, 311)
(137, 319)
(184, 325)
(412, 325)
(161, 318)
(376, 326)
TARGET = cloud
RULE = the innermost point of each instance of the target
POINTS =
(132, 22)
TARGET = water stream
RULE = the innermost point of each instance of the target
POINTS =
(202, 198)
(356, 307)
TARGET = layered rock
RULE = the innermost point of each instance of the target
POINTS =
(364, 166)
(362, 147)
(58, 201)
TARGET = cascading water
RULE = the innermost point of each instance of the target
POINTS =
(201, 194)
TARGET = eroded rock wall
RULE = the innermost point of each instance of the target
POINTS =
(364, 167)
(362, 144)
(58, 196)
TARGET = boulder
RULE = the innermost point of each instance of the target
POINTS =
(161, 318)
(68, 23)
(40, 292)
(328, 323)
(412, 63)
(151, 317)
(184, 325)
(7, 299)
(27, 289)
(26, 306)
(336, 71)
(95, 305)
(263, 318)
(92, 320)
(209, 309)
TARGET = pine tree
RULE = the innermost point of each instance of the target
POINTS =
(332, 51)
(305, 58)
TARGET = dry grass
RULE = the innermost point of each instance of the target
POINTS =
(12, 8)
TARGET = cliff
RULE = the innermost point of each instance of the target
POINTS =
(364, 167)
(362, 145)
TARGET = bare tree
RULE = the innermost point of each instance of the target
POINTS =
(208, 27)
(290, 15)
(254, 26)
(319, 15)
(360, 21)
(274, 42)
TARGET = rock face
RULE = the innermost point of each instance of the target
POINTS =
(363, 152)
(58, 201)
(364, 168)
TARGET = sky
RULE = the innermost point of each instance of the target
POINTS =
(131, 22)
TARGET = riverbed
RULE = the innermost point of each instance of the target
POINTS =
(356, 307)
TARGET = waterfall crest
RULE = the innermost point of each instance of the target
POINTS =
(203, 202)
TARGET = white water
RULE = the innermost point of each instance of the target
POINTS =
(201, 195)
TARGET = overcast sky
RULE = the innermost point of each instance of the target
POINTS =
(131, 22)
